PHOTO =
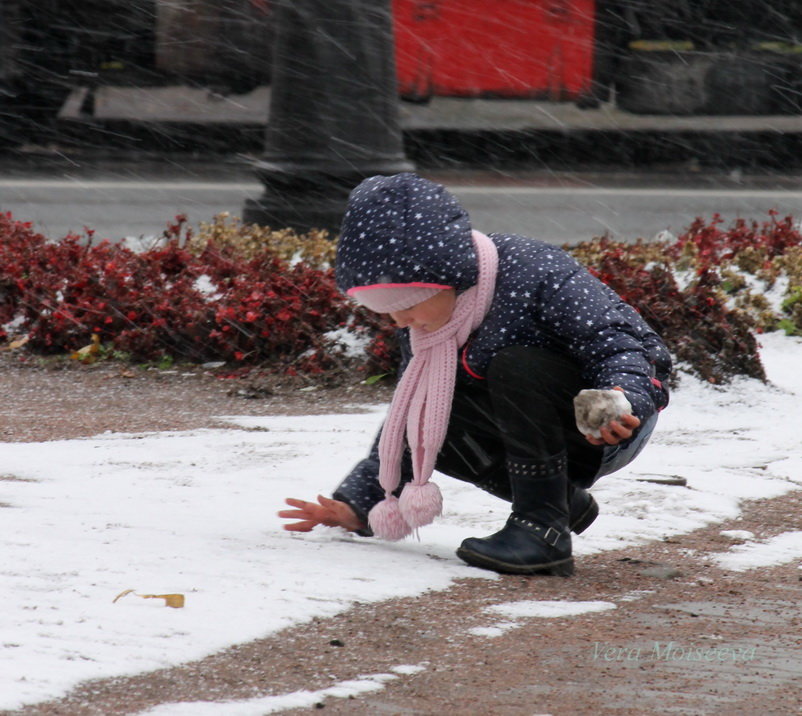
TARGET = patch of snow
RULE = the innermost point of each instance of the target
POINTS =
(531, 609)
(352, 344)
(409, 669)
(493, 631)
(206, 287)
(140, 244)
(14, 325)
(299, 699)
(737, 534)
(684, 278)
(635, 594)
(547, 609)
(783, 548)
(774, 294)
(664, 235)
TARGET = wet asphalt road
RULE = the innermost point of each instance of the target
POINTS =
(121, 200)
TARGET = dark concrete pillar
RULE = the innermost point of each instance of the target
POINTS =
(333, 115)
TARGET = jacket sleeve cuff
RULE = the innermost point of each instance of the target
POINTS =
(361, 491)
(365, 531)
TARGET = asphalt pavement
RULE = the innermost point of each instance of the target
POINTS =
(542, 169)
(129, 199)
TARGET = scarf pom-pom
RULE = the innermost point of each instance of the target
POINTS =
(420, 504)
(386, 521)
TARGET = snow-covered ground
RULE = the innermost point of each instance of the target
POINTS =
(194, 513)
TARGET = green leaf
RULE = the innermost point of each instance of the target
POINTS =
(372, 380)
(790, 328)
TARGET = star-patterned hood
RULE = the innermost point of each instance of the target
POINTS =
(404, 229)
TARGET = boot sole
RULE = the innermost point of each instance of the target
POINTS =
(560, 568)
(586, 519)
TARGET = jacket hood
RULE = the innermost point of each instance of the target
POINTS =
(404, 229)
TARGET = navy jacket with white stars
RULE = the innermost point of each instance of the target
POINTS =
(405, 229)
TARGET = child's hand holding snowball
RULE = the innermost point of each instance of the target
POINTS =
(604, 417)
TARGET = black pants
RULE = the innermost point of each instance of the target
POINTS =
(524, 410)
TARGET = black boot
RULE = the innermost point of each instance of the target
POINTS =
(582, 509)
(536, 538)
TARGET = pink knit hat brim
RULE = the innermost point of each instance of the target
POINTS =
(389, 298)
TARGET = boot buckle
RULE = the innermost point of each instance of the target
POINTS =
(551, 536)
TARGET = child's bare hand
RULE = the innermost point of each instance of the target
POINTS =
(331, 513)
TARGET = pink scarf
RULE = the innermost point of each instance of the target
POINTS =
(421, 406)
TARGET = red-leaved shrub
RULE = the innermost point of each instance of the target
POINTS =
(698, 327)
(243, 295)
(167, 301)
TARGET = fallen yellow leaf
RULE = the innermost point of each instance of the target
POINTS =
(88, 354)
(121, 595)
(176, 601)
(19, 343)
